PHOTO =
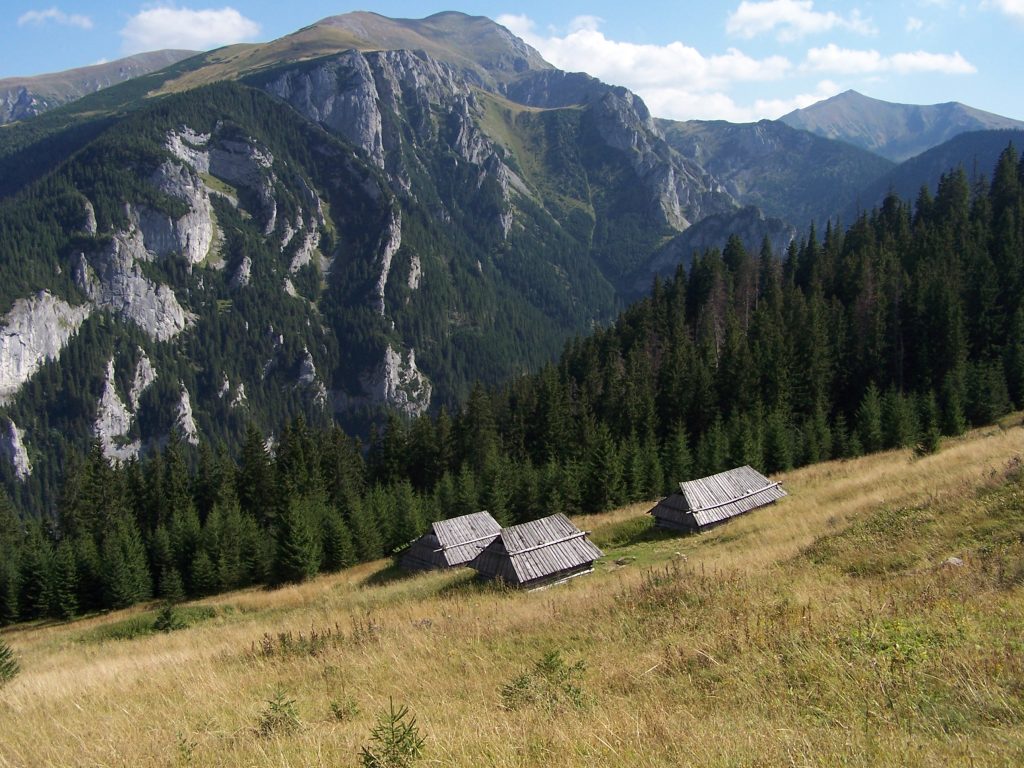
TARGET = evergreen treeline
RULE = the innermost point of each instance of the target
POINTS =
(908, 325)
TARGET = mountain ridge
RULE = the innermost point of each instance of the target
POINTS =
(894, 131)
(24, 97)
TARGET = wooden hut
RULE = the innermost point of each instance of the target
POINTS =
(711, 500)
(538, 553)
(450, 543)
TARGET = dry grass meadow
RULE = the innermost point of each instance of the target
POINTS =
(824, 630)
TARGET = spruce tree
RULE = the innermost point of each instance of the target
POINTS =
(603, 488)
(338, 548)
(8, 664)
(869, 420)
(298, 556)
(64, 594)
(676, 460)
(124, 570)
(365, 534)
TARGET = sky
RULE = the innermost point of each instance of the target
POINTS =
(742, 60)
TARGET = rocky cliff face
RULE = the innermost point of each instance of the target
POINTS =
(749, 224)
(395, 381)
(386, 100)
(184, 420)
(34, 331)
(114, 281)
(12, 449)
(114, 422)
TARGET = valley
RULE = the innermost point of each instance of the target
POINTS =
(815, 630)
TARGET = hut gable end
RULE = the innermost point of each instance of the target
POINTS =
(714, 499)
(538, 552)
(450, 543)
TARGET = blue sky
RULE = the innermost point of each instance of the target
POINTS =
(740, 60)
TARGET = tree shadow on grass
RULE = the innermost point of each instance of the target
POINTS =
(632, 532)
(389, 574)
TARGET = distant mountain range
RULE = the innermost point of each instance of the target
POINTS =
(894, 131)
(24, 97)
(368, 213)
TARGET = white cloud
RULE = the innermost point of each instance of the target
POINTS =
(1012, 8)
(172, 27)
(914, 24)
(585, 23)
(792, 18)
(675, 80)
(681, 104)
(57, 16)
(586, 49)
(832, 58)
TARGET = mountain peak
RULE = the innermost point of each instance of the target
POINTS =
(474, 42)
(894, 131)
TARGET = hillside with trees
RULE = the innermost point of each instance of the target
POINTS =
(907, 326)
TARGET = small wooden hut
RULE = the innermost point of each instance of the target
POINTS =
(715, 499)
(538, 553)
(451, 543)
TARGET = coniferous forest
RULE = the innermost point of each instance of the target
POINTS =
(903, 327)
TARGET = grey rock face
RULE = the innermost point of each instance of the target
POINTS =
(114, 421)
(398, 383)
(34, 331)
(382, 100)
(341, 95)
(749, 224)
(304, 253)
(145, 375)
(12, 448)
(113, 281)
(309, 380)
(391, 241)
(89, 221)
(415, 272)
(191, 235)
(184, 420)
(243, 275)
(680, 190)
(240, 163)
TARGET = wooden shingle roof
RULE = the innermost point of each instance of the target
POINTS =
(462, 538)
(713, 499)
(453, 542)
(537, 551)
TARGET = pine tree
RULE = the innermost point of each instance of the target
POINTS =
(8, 664)
(64, 594)
(929, 418)
(409, 522)
(298, 556)
(204, 578)
(676, 459)
(778, 443)
(36, 574)
(338, 548)
(603, 486)
(365, 533)
(869, 420)
(124, 570)
(954, 419)
(255, 483)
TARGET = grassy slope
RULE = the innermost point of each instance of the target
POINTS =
(820, 631)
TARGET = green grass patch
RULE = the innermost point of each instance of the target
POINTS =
(144, 624)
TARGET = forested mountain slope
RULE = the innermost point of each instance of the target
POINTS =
(904, 327)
